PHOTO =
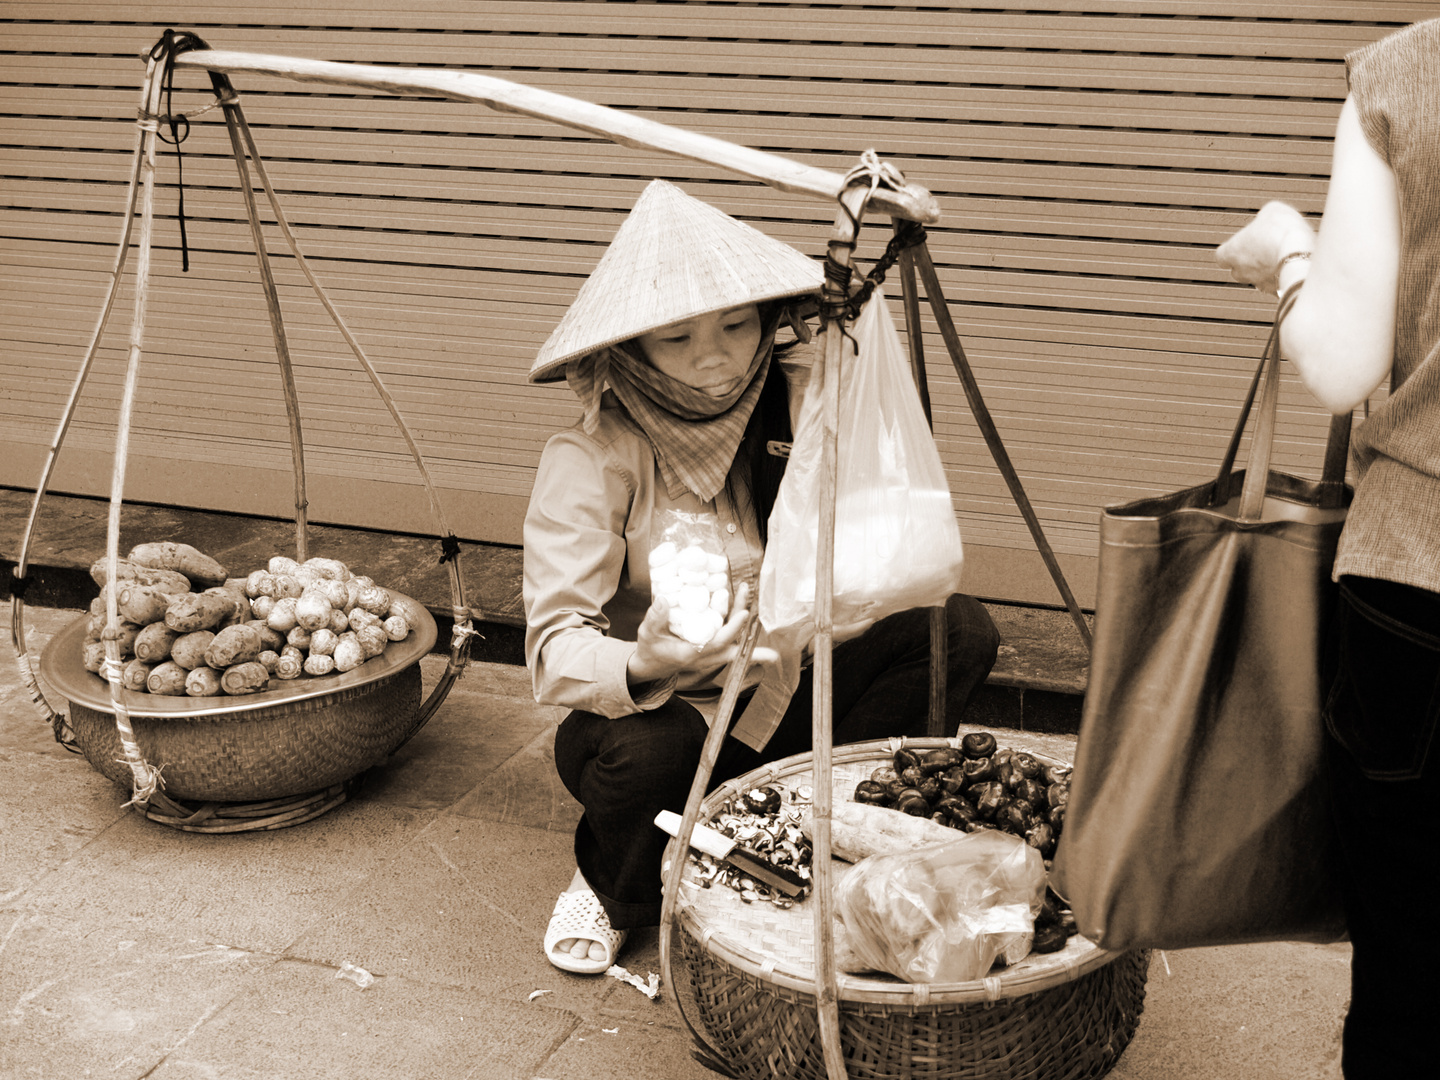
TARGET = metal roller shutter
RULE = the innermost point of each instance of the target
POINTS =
(1087, 158)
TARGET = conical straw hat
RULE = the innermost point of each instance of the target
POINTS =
(674, 257)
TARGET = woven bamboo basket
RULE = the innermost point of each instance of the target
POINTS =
(748, 973)
(306, 736)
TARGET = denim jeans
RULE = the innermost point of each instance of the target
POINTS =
(624, 771)
(1381, 713)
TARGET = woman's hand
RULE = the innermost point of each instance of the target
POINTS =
(1253, 254)
(660, 654)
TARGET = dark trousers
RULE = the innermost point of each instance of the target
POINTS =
(624, 771)
(1381, 716)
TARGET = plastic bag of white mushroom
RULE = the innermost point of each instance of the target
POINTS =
(689, 569)
(188, 629)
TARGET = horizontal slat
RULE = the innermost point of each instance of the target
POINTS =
(999, 67)
(1087, 159)
(868, 106)
(798, 26)
(466, 14)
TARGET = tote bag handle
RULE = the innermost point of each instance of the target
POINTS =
(1267, 380)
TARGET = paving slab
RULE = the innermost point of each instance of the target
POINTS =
(132, 951)
(87, 997)
(298, 1020)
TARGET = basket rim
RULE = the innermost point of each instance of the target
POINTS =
(1058, 967)
(61, 666)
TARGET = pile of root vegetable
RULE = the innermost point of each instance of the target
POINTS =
(187, 628)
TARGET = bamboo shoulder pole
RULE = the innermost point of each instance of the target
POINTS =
(913, 202)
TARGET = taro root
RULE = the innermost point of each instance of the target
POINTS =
(1049, 938)
(1031, 791)
(868, 791)
(978, 744)
(914, 804)
(895, 787)
(1056, 818)
(764, 800)
(905, 758)
(884, 774)
(978, 770)
(1001, 756)
(1058, 796)
(1054, 774)
(988, 798)
(930, 788)
(939, 760)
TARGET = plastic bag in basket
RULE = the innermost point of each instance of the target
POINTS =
(897, 544)
(944, 913)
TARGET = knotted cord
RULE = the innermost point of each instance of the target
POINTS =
(170, 45)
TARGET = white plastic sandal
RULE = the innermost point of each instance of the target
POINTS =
(579, 915)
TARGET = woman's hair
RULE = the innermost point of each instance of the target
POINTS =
(769, 422)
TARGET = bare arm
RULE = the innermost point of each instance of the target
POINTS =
(1341, 331)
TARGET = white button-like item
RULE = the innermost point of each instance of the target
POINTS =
(730, 528)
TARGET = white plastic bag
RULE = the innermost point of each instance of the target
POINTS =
(944, 913)
(689, 568)
(897, 544)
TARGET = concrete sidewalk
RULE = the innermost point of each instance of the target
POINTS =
(130, 950)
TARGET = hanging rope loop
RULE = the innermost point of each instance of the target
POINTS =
(171, 44)
(843, 301)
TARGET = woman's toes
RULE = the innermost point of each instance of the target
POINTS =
(582, 948)
(565, 944)
(596, 951)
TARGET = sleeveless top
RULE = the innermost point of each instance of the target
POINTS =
(1393, 528)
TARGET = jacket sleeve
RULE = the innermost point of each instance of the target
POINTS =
(574, 541)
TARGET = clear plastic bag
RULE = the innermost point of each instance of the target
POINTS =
(897, 544)
(944, 913)
(689, 569)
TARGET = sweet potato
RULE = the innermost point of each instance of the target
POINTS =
(859, 829)
(170, 581)
(92, 654)
(142, 604)
(198, 611)
(134, 675)
(188, 650)
(202, 682)
(239, 602)
(153, 643)
(233, 645)
(269, 639)
(247, 678)
(200, 568)
(167, 679)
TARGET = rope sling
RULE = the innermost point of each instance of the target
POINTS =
(872, 185)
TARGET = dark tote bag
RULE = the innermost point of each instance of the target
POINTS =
(1198, 814)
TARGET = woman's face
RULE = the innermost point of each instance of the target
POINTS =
(710, 352)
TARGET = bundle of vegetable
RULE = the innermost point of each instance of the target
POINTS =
(237, 634)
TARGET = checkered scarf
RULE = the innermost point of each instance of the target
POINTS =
(695, 436)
